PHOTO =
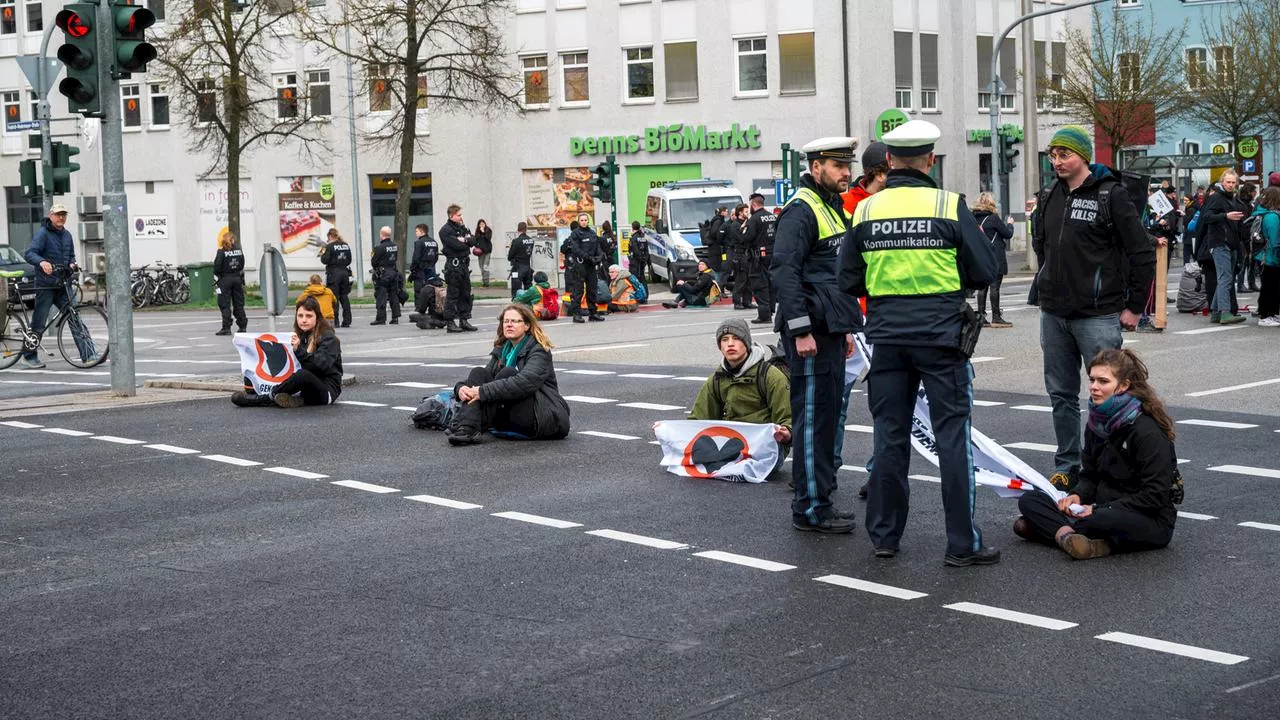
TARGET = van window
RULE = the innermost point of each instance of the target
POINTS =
(686, 213)
(652, 210)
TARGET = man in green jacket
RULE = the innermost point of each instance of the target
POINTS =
(735, 391)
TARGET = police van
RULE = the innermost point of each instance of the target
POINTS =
(672, 214)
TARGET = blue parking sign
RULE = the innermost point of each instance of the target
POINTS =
(1249, 166)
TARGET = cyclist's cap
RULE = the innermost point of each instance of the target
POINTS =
(58, 208)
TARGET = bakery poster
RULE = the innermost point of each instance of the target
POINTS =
(307, 207)
(554, 197)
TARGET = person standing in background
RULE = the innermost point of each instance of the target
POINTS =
(484, 243)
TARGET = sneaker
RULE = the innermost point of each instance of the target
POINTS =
(1230, 319)
(462, 436)
(984, 556)
(1273, 321)
(378, 322)
(762, 321)
(1000, 323)
(1149, 329)
(862, 491)
(669, 305)
(395, 321)
(1080, 547)
(831, 526)
(285, 400)
(34, 363)
(1213, 317)
(886, 553)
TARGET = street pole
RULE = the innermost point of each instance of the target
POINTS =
(1030, 131)
(355, 166)
(115, 217)
(997, 86)
(43, 113)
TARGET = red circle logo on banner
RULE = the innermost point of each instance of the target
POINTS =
(705, 454)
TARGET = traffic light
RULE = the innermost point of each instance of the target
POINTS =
(27, 172)
(79, 54)
(128, 37)
(57, 178)
(602, 180)
(1007, 153)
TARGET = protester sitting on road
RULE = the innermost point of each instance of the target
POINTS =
(695, 291)
(319, 380)
(737, 390)
(1124, 498)
(533, 294)
(516, 394)
(1269, 256)
(323, 295)
(622, 292)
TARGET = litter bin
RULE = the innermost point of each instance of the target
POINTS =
(201, 275)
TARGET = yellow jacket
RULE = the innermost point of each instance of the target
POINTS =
(323, 295)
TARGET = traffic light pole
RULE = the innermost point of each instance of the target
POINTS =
(115, 216)
(44, 116)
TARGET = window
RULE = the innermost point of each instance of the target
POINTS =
(1197, 68)
(33, 102)
(318, 92)
(421, 103)
(159, 105)
(8, 17)
(1056, 78)
(379, 88)
(35, 16)
(1042, 77)
(753, 67)
(286, 95)
(206, 101)
(536, 92)
(682, 70)
(1008, 73)
(903, 52)
(639, 73)
(984, 72)
(156, 7)
(1190, 147)
(1224, 66)
(1127, 65)
(12, 102)
(796, 64)
(131, 105)
(577, 87)
(1128, 3)
(928, 71)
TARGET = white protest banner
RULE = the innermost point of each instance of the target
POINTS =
(721, 449)
(859, 363)
(1159, 204)
(266, 359)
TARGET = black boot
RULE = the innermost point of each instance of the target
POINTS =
(223, 331)
(241, 398)
(453, 327)
(465, 324)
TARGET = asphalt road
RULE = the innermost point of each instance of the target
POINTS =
(201, 560)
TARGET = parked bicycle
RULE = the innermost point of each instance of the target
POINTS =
(83, 338)
(159, 284)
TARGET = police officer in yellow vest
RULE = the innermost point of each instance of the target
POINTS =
(816, 320)
(913, 249)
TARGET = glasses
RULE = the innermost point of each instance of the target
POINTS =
(513, 322)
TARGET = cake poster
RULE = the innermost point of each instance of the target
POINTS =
(307, 211)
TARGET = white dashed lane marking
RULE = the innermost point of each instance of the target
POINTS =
(645, 376)
(926, 478)
(294, 472)
(361, 404)
(367, 487)
(419, 385)
(68, 433)
(441, 365)
(859, 428)
(987, 403)
(1033, 408)
(20, 425)
(871, 587)
(1214, 329)
(638, 539)
(650, 406)
(1260, 526)
(589, 372)
(1246, 470)
(173, 449)
(745, 560)
(1196, 516)
(118, 440)
(443, 502)
(984, 359)
(588, 399)
(1173, 648)
(537, 520)
(691, 377)
(404, 407)
(1232, 388)
(227, 459)
(1218, 424)
(1010, 615)
(609, 435)
(1038, 447)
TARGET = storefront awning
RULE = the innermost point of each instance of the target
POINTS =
(1165, 164)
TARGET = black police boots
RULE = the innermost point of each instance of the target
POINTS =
(453, 327)
(241, 398)
(467, 326)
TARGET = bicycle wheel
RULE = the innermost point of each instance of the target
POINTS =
(83, 336)
(11, 339)
(182, 293)
(166, 291)
(138, 293)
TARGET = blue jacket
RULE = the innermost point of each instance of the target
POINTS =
(55, 246)
(1269, 255)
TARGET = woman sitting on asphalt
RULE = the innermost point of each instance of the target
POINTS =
(622, 292)
(319, 380)
(1124, 500)
(516, 394)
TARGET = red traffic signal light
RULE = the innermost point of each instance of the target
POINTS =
(74, 24)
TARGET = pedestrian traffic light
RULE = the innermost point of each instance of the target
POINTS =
(603, 178)
(57, 177)
(128, 37)
(79, 53)
(27, 172)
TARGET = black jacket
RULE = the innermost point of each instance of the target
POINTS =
(426, 251)
(1089, 267)
(638, 246)
(228, 262)
(484, 240)
(386, 256)
(715, 232)
(585, 247)
(325, 363)
(760, 232)
(734, 238)
(1218, 230)
(520, 254)
(997, 232)
(336, 255)
(1132, 469)
(537, 377)
(454, 240)
(805, 272)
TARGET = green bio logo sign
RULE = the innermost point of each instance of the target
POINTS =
(326, 189)
(1247, 147)
(888, 120)
(669, 139)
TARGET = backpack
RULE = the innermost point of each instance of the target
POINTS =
(1191, 292)
(1257, 241)
(549, 307)
(775, 359)
(641, 293)
(1191, 224)
(435, 412)
(713, 295)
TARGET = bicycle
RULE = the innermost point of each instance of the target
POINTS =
(83, 333)
(159, 284)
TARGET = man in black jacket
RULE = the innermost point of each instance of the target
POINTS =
(336, 257)
(455, 241)
(386, 278)
(758, 238)
(1096, 267)
(426, 252)
(585, 249)
(1223, 217)
(714, 241)
(520, 258)
(638, 253)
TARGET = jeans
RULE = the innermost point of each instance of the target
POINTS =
(46, 298)
(1224, 264)
(1068, 344)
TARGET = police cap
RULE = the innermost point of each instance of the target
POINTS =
(839, 149)
(911, 138)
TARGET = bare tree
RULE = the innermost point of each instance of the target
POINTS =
(1255, 34)
(446, 55)
(1123, 76)
(216, 54)
(1229, 80)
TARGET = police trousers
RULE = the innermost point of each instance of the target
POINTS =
(457, 280)
(1124, 530)
(521, 278)
(387, 287)
(339, 281)
(231, 301)
(584, 284)
(896, 374)
(817, 384)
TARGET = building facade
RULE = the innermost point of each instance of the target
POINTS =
(675, 89)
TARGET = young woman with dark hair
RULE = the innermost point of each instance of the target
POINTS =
(319, 380)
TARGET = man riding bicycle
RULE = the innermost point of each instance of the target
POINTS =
(51, 246)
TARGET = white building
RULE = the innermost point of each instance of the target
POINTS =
(646, 80)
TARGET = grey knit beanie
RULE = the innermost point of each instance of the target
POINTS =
(736, 327)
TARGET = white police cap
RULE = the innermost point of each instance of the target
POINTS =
(831, 148)
(914, 137)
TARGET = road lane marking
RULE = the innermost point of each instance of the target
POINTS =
(54, 382)
(611, 436)
(589, 372)
(645, 376)
(1218, 424)
(240, 462)
(173, 347)
(694, 378)
(443, 502)
(360, 404)
(984, 359)
(1260, 526)
(1172, 648)
(562, 351)
(445, 365)
(650, 406)
(294, 472)
(537, 520)
(1246, 470)
(173, 449)
(1255, 683)
(1033, 408)
(588, 399)
(1038, 447)
(859, 428)
(367, 487)
(638, 539)
(987, 403)
(871, 587)
(1040, 621)
(1215, 328)
(20, 425)
(68, 433)
(746, 560)
(118, 440)
(404, 407)
(854, 468)
(1196, 516)
(419, 385)
(1233, 388)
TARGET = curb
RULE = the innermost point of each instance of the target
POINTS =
(221, 385)
(101, 400)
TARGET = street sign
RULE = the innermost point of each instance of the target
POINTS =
(1248, 157)
(30, 65)
(21, 125)
(888, 120)
(1249, 167)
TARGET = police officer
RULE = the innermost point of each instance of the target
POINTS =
(456, 243)
(336, 256)
(585, 247)
(228, 271)
(426, 251)
(913, 250)
(739, 258)
(638, 252)
(758, 236)
(520, 258)
(816, 320)
(387, 283)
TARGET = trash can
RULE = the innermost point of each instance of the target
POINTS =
(201, 276)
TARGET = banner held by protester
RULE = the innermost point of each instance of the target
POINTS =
(721, 449)
(266, 359)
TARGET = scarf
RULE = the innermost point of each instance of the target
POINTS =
(1114, 413)
(510, 350)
